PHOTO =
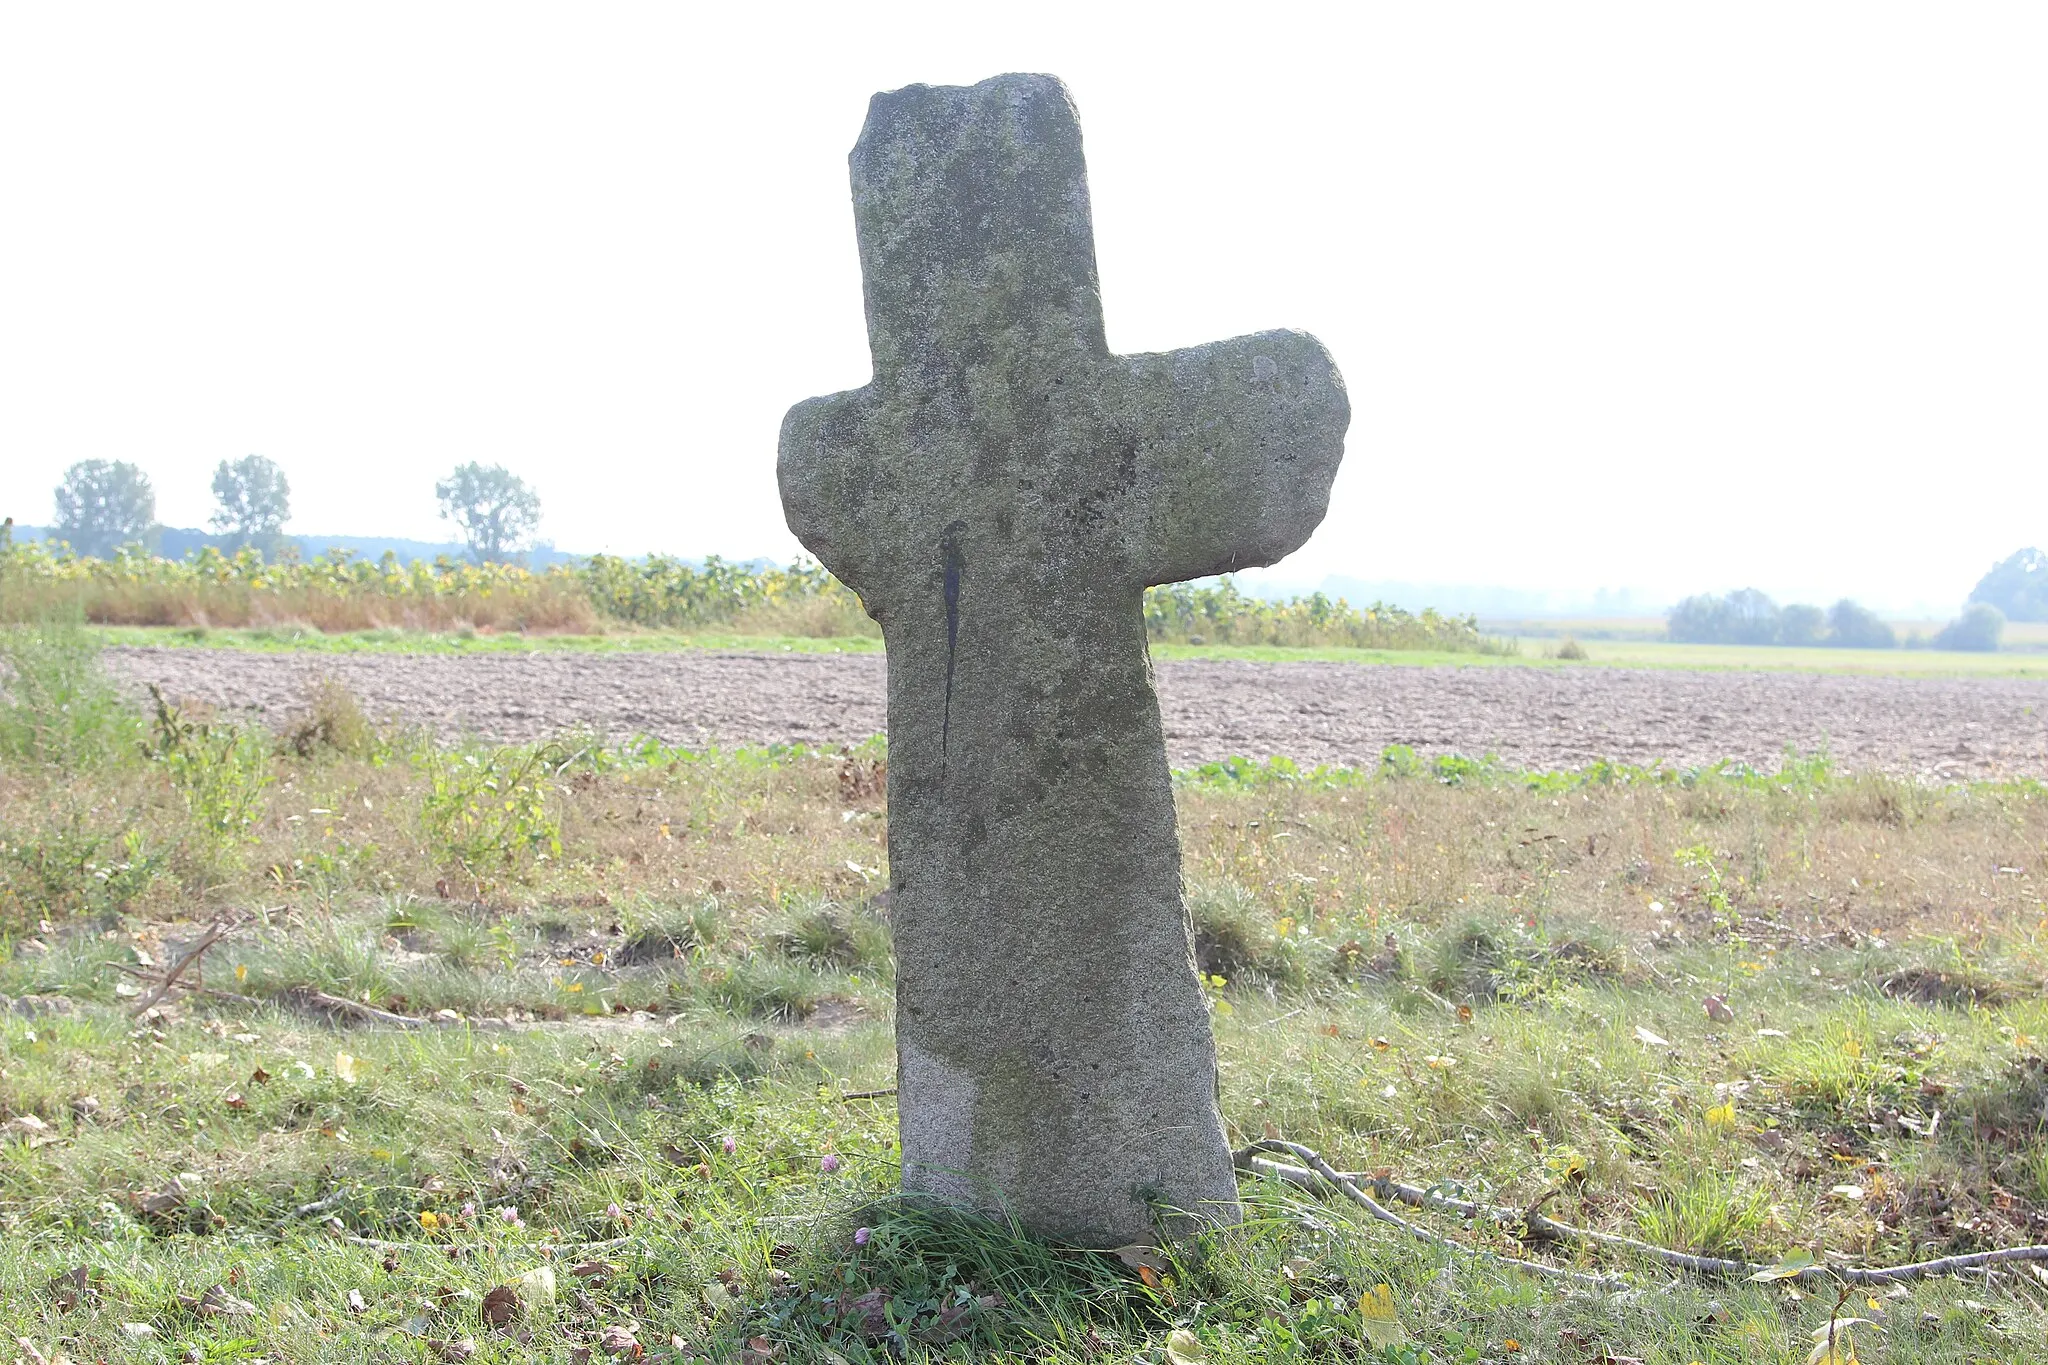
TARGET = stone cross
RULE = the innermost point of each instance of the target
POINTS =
(1000, 495)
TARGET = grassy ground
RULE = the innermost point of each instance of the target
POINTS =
(653, 978)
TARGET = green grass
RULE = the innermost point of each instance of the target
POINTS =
(1462, 974)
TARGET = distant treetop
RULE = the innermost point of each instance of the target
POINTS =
(103, 505)
(492, 507)
(2017, 586)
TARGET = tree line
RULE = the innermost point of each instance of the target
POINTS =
(106, 505)
(1749, 617)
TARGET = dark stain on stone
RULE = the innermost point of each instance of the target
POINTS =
(950, 551)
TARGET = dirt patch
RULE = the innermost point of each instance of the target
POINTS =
(1310, 712)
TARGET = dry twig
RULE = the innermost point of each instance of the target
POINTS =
(214, 934)
(1317, 1175)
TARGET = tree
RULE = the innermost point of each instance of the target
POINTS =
(1851, 626)
(1801, 624)
(1701, 620)
(103, 505)
(254, 500)
(492, 507)
(2017, 586)
(1978, 628)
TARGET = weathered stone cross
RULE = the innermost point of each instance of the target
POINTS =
(1000, 495)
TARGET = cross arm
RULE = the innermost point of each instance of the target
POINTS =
(827, 482)
(1235, 446)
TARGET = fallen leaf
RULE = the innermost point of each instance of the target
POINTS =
(1139, 1256)
(618, 1339)
(500, 1305)
(1184, 1347)
(461, 1349)
(1717, 1009)
(355, 1302)
(140, 1331)
(347, 1067)
(217, 1302)
(71, 1288)
(165, 1201)
(1643, 1035)
(1376, 1314)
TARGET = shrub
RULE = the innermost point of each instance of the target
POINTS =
(1979, 628)
(1851, 626)
(483, 808)
(332, 723)
(221, 771)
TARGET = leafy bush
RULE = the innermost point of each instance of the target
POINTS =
(1851, 626)
(1979, 628)
(488, 808)
(2017, 586)
(71, 867)
(221, 771)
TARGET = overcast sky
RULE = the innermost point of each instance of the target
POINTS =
(1668, 297)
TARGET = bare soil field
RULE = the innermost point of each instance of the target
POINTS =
(1310, 712)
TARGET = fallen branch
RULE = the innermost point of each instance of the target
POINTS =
(553, 1248)
(335, 1004)
(1317, 1175)
(303, 996)
(193, 986)
(1348, 1187)
(883, 1093)
(214, 934)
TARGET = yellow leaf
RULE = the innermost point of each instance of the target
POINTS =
(241, 971)
(1721, 1118)
(350, 1069)
(1376, 1314)
(1183, 1347)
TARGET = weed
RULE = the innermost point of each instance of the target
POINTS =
(489, 808)
(220, 771)
(332, 724)
(57, 706)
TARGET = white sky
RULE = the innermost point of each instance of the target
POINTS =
(1669, 297)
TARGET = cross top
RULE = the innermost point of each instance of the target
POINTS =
(1000, 495)
(999, 244)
